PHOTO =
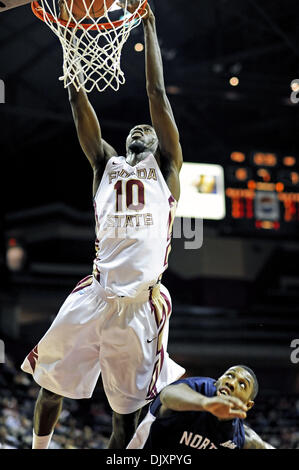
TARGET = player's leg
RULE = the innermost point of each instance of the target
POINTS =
(123, 429)
(46, 413)
(72, 339)
(131, 360)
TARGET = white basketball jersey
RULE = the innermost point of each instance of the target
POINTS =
(134, 211)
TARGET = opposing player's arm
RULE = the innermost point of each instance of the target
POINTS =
(181, 397)
(254, 441)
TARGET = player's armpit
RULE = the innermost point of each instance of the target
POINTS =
(254, 441)
(172, 178)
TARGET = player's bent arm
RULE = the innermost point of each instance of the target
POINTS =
(181, 397)
(254, 441)
(160, 109)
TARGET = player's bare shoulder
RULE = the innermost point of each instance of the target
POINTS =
(254, 441)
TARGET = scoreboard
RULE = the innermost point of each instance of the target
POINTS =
(254, 193)
(262, 193)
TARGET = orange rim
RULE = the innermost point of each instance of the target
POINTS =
(41, 14)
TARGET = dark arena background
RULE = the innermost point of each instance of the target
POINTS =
(230, 69)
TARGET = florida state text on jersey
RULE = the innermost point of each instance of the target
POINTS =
(134, 211)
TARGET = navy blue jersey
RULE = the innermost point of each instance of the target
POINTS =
(194, 429)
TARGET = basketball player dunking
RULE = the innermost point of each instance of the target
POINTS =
(115, 322)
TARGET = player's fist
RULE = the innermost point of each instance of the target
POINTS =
(225, 407)
(63, 13)
(133, 5)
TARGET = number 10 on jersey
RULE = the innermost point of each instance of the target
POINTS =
(126, 190)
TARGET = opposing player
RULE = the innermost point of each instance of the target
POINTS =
(201, 413)
(116, 321)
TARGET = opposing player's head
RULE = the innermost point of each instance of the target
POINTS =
(141, 141)
(239, 381)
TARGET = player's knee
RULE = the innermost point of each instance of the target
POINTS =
(124, 421)
(50, 397)
(124, 426)
(118, 420)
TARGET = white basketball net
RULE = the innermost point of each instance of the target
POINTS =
(91, 56)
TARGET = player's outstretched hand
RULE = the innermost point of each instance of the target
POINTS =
(226, 407)
(63, 14)
(132, 5)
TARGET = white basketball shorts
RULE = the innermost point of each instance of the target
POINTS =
(123, 338)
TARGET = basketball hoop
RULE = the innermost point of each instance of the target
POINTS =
(92, 38)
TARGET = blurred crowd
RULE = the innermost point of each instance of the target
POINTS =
(276, 419)
(86, 424)
(83, 424)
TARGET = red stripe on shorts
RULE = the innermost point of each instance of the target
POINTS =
(168, 303)
(152, 390)
(82, 284)
(32, 358)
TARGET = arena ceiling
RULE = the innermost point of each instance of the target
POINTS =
(203, 43)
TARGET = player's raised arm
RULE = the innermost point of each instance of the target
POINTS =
(87, 125)
(254, 441)
(163, 121)
(96, 149)
(161, 113)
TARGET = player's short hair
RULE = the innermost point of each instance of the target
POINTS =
(255, 381)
